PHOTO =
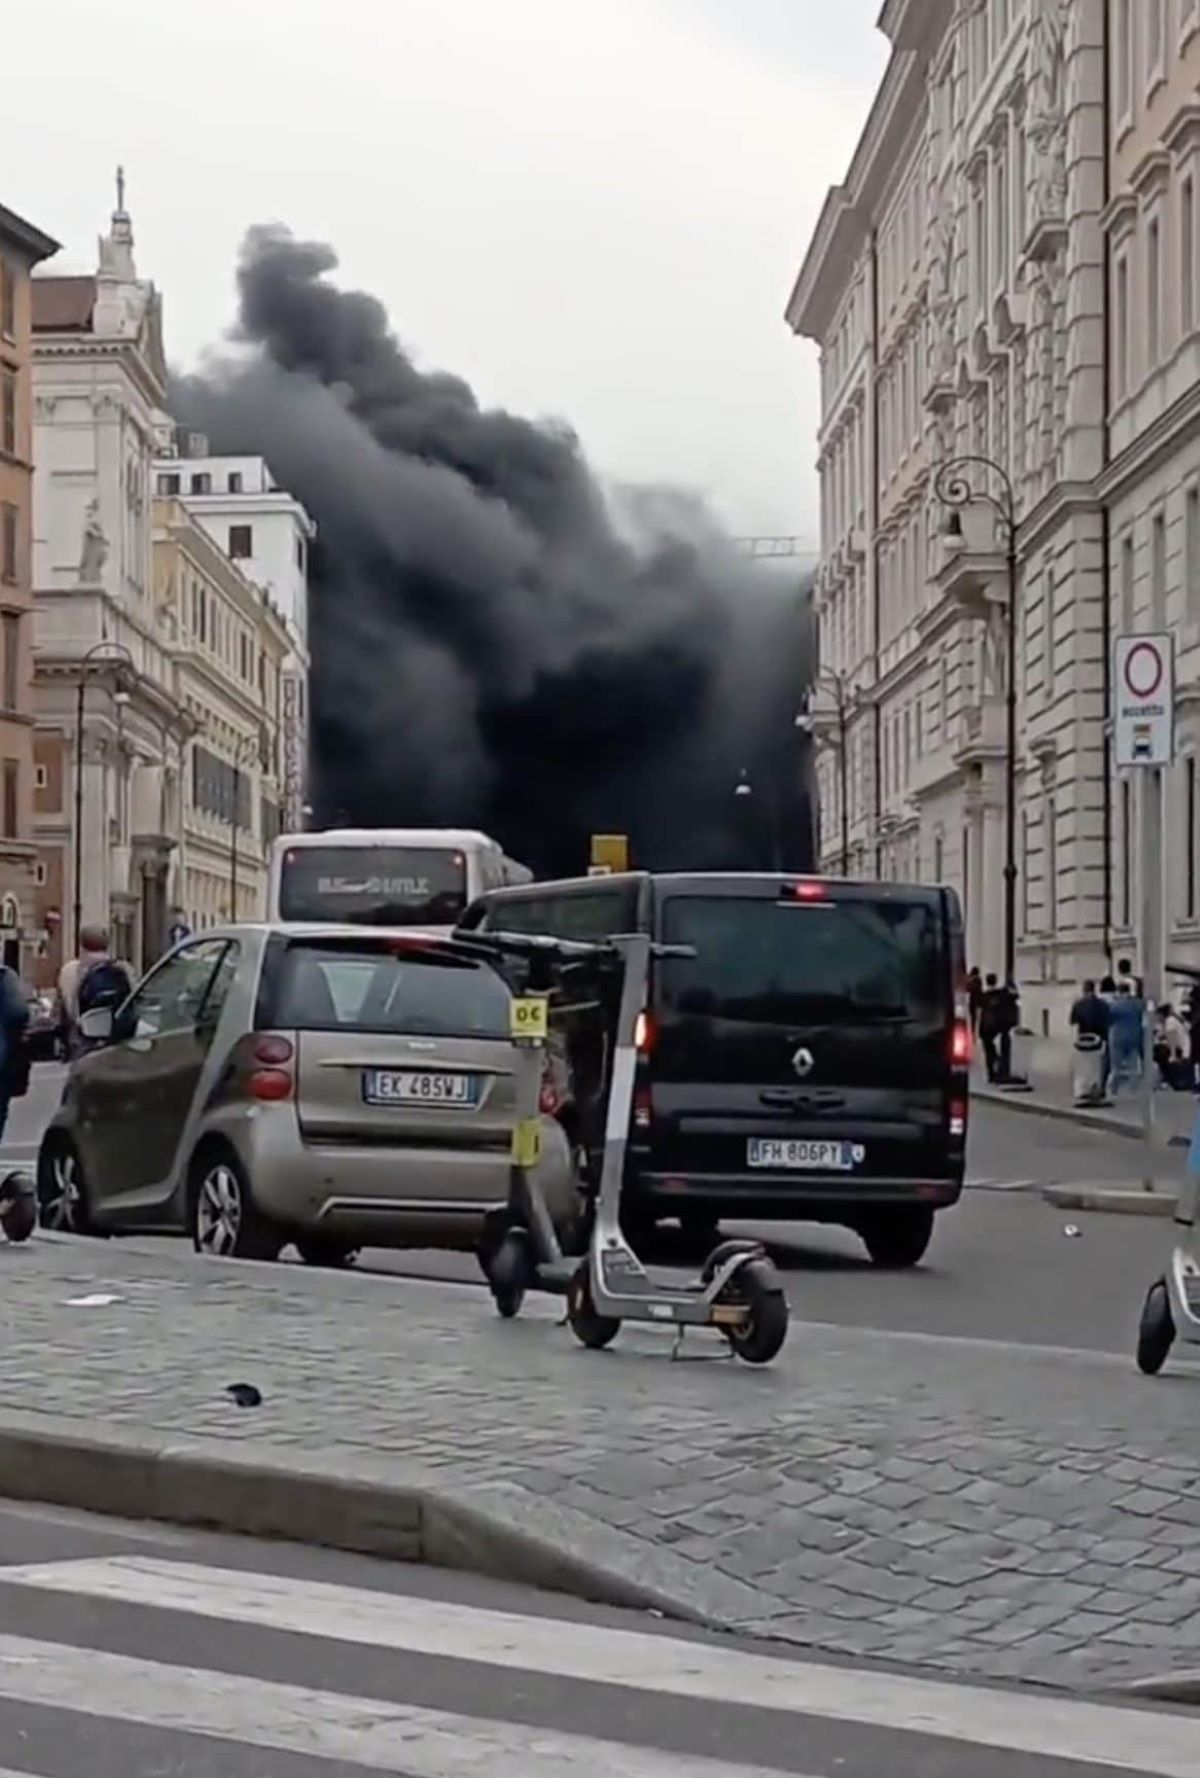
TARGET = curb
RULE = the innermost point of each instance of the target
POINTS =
(255, 1490)
(1071, 1114)
(1114, 1199)
(1166, 1688)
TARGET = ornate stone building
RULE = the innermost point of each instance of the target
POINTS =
(1151, 477)
(22, 246)
(955, 285)
(111, 728)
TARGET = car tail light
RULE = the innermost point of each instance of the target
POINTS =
(956, 1118)
(271, 1078)
(643, 1109)
(271, 1084)
(643, 1034)
(960, 1044)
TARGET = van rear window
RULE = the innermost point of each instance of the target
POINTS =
(774, 962)
(347, 988)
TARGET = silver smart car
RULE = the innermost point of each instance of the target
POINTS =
(330, 1087)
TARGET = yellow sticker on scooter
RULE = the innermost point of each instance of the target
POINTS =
(530, 1021)
(527, 1142)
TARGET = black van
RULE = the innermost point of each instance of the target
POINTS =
(810, 1063)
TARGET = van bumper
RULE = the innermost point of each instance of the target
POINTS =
(815, 1198)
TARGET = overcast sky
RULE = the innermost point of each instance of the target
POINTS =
(591, 208)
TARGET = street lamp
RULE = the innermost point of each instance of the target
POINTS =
(119, 656)
(746, 793)
(828, 680)
(952, 488)
(243, 754)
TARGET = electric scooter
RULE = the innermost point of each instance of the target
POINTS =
(1172, 1306)
(18, 1206)
(738, 1292)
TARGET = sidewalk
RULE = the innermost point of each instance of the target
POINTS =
(980, 1509)
(1050, 1078)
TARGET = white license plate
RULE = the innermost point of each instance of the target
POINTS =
(385, 1086)
(795, 1155)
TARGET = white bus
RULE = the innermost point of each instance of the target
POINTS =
(385, 876)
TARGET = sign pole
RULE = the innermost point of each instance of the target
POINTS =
(1144, 741)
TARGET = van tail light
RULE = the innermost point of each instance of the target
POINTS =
(271, 1076)
(956, 1119)
(643, 1034)
(643, 1109)
(960, 1044)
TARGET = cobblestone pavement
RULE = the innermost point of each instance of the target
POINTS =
(975, 1507)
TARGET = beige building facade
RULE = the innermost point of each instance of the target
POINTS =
(956, 286)
(230, 645)
(1151, 479)
(22, 246)
(110, 724)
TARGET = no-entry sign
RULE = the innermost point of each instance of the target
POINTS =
(1143, 700)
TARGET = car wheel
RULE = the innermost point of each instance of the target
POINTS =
(898, 1239)
(226, 1223)
(324, 1251)
(62, 1191)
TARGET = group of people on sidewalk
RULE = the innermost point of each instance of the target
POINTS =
(94, 978)
(1109, 1022)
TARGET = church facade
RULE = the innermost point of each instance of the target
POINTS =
(110, 730)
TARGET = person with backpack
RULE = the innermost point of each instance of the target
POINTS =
(93, 979)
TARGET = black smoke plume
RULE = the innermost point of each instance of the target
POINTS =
(495, 641)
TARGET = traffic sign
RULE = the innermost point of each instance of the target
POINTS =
(530, 1018)
(1144, 700)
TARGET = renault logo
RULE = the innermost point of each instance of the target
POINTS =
(803, 1063)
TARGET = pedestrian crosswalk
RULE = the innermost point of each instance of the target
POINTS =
(443, 1689)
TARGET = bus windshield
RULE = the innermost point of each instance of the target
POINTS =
(373, 885)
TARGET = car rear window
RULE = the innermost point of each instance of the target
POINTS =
(342, 988)
(781, 962)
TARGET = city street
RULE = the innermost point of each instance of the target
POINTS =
(1002, 1266)
(134, 1649)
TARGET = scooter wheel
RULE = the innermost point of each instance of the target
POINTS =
(1156, 1330)
(590, 1329)
(20, 1219)
(762, 1334)
(509, 1275)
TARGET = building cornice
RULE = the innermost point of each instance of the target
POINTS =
(852, 209)
(1153, 445)
(87, 348)
(29, 241)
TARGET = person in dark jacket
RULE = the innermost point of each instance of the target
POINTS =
(974, 997)
(14, 1017)
(1090, 1018)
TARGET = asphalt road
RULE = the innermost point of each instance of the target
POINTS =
(1003, 1265)
(240, 1660)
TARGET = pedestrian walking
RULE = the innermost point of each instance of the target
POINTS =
(1170, 1049)
(1125, 1035)
(996, 1024)
(974, 997)
(93, 979)
(1090, 1019)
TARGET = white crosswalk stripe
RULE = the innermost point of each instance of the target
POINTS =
(383, 1737)
(396, 1737)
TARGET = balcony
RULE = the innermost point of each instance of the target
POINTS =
(981, 730)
